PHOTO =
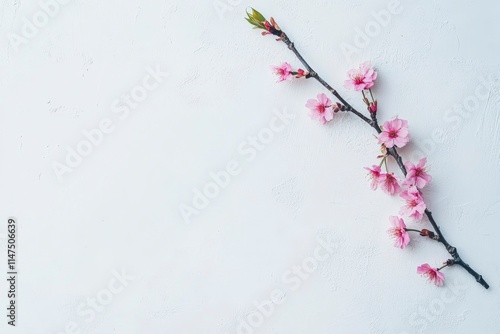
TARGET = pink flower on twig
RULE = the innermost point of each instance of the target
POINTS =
(375, 175)
(415, 205)
(417, 175)
(398, 232)
(321, 109)
(433, 274)
(361, 78)
(389, 184)
(394, 133)
(284, 71)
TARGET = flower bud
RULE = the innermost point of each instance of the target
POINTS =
(255, 18)
(429, 234)
(301, 73)
(258, 21)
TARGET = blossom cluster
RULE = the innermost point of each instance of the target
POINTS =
(393, 134)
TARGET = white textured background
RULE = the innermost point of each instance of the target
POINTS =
(119, 208)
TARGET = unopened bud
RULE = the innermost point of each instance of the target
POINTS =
(429, 234)
(275, 25)
(301, 73)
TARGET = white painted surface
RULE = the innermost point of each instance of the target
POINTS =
(119, 209)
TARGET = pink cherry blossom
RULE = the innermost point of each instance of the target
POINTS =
(398, 232)
(433, 275)
(394, 133)
(374, 174)
(284, 71)
(361, 78)
(321, 109)
(417, 175)
(415, 205)
(389, 184)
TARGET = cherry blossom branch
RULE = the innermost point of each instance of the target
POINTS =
(315, 75)
(272, 28)
(457, 260)
(454, 252)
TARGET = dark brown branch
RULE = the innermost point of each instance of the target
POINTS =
(457, 260)
(314, 74)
